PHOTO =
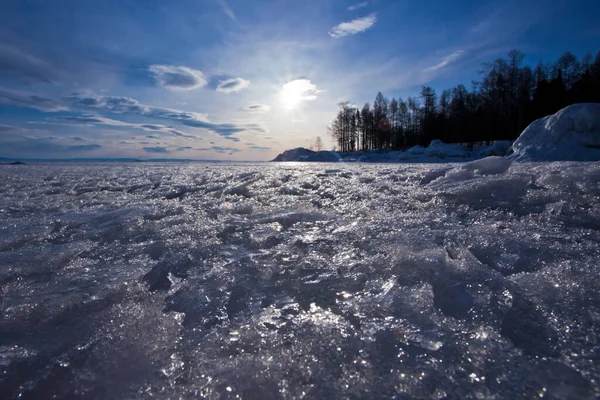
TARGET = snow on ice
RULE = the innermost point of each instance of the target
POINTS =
(259, 281)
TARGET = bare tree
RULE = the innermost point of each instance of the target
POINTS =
(318, 144)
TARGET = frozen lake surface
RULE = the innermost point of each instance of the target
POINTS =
(265, 281)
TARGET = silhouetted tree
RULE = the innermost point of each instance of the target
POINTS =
(507, 98)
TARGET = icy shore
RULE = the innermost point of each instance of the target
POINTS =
(436, 152)
(572, 134)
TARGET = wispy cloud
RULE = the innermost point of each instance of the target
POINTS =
(481, 26)
(84, 147)
(23, 99)
(25, 67)
(96, 120)
(257, 108)
(122, 104)
(358, 6)
(131, 106)
(353, 27)
(447, 60)
(224, 149)
(156, 150)
(226, 9)
(28, 143)
(232, 85)
(177, 77)
(4, 128)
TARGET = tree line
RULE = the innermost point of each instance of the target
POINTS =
(506, 100)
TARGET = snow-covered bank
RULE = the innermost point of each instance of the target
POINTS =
(572, 134)
(435, 153)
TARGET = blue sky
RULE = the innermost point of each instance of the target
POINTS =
(239, 79)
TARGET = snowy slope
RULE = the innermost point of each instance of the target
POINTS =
(573, 134)
(265, 281)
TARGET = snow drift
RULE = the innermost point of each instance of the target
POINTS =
(572, 134)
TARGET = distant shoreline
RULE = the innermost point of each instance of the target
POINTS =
(436, 152)
(25, 161)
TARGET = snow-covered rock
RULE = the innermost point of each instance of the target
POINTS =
(439, 149)
(416, 150)
(302, 154)
(297, 154)
(572, 134)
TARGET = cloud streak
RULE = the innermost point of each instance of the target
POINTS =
(23, 99)
(358, 6)
(103, 121)
(353, 27)
(177, 77)
(227, 10)
(232, 85)
(21, 145)
(156, 150)
(25, 67)
(257, 108)
(224, 149)
(447, 60)
(128, 105)
(5, 128)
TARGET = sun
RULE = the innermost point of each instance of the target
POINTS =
(291, 95)
(295, 92)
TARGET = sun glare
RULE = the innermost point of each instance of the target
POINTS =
(291, 95)
(294, 92)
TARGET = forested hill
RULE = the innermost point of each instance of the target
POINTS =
(508, 97)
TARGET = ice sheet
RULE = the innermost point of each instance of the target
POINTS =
(300, 280)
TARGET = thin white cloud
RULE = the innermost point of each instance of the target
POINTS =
(353, 27)
(257, 108)
(227, 10)
(23, 99)
(358, 6)
(482, 26)
(177, 77)
(232, 85)
(447, 60)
